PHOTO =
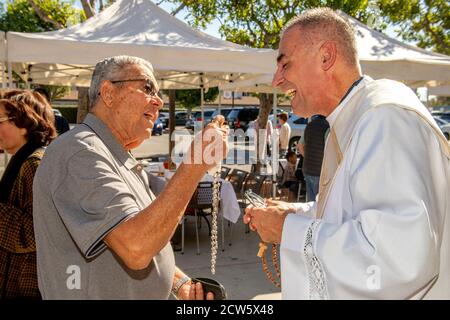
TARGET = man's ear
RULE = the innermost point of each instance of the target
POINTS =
(328, 53)
(106, 93)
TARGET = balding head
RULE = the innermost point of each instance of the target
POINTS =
(114, 68)
(324, 24)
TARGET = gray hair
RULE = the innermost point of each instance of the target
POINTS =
(326, 24)
(109, 69)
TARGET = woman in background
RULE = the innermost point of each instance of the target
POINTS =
(26, 127)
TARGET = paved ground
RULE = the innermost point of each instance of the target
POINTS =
(238, 268)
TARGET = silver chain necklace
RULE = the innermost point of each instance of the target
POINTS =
(215, 210)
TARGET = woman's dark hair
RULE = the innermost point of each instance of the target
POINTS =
(31, 111)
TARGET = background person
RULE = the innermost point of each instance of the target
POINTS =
(24, 130)
(285, 134)
(311, 146)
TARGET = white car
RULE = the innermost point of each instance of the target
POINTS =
(298, 125)
(444, 126)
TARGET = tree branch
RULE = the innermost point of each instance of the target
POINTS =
(255, 19)
(275, 18)
(41, 14)
(250, 29)
(88, 10)
(180, 7)
(436, 37)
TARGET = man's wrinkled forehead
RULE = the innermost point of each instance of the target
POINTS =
(142, 71)
(293, 38)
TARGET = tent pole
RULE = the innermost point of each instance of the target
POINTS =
(274, 147)
(202, 99)
(10, 74)
(171, 127)
(27, 83)
(3, 75)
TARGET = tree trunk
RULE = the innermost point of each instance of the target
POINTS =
(88, 9)
(43, 16)
(83, 103)
(265, 105)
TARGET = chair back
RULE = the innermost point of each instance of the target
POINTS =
(254, 182)
(224, 172)
(203, 196)
(237, 178)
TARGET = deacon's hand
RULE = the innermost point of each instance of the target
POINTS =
(281, 205)
(268, 222)
(191, 291)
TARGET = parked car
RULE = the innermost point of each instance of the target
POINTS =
(180, 118)
(444, 126)
(441, 115)
(164, 117)
(240, 118)
(223, 111)
(197, 116)
(298, 125)
(158, 127)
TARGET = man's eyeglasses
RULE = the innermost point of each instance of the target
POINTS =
(149, 87)
(6, 118)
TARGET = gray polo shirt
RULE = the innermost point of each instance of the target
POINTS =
(85, 186)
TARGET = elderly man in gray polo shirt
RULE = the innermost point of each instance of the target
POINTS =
(100, 231)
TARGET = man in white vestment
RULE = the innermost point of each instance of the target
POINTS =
(379, 228)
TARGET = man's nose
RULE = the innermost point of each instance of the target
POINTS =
(159, 102)
(277, 78)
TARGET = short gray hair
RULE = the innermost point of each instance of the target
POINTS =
(109, 69)
(330, 26)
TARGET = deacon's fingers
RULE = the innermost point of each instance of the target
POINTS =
(192, 292)
(210, 296)
(271, 202)
(198, 291)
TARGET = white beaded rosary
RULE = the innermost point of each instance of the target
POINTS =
(220, 122)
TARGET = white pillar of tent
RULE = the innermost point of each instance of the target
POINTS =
(27, 77)
(4, 65)
(3, 75)
(275, 153)
(202, 98)
(10, 74)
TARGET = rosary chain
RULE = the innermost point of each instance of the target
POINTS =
(215, 210)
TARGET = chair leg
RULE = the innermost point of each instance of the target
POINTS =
(231, 227)
(182, 235)
(223, 234)
(207, 222)
(196, 232)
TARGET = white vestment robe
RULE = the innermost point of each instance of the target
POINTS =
(380, 226)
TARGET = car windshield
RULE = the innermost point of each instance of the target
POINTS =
(233, 113)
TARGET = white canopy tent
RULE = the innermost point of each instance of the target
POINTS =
(380, 57)
(443, 91)
(3, 78)
(181, 56)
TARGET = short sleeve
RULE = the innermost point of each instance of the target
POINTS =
(92, 200)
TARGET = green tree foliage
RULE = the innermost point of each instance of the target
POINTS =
(190, 98)
(424, 22)
(257, 23)
(19, 15)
